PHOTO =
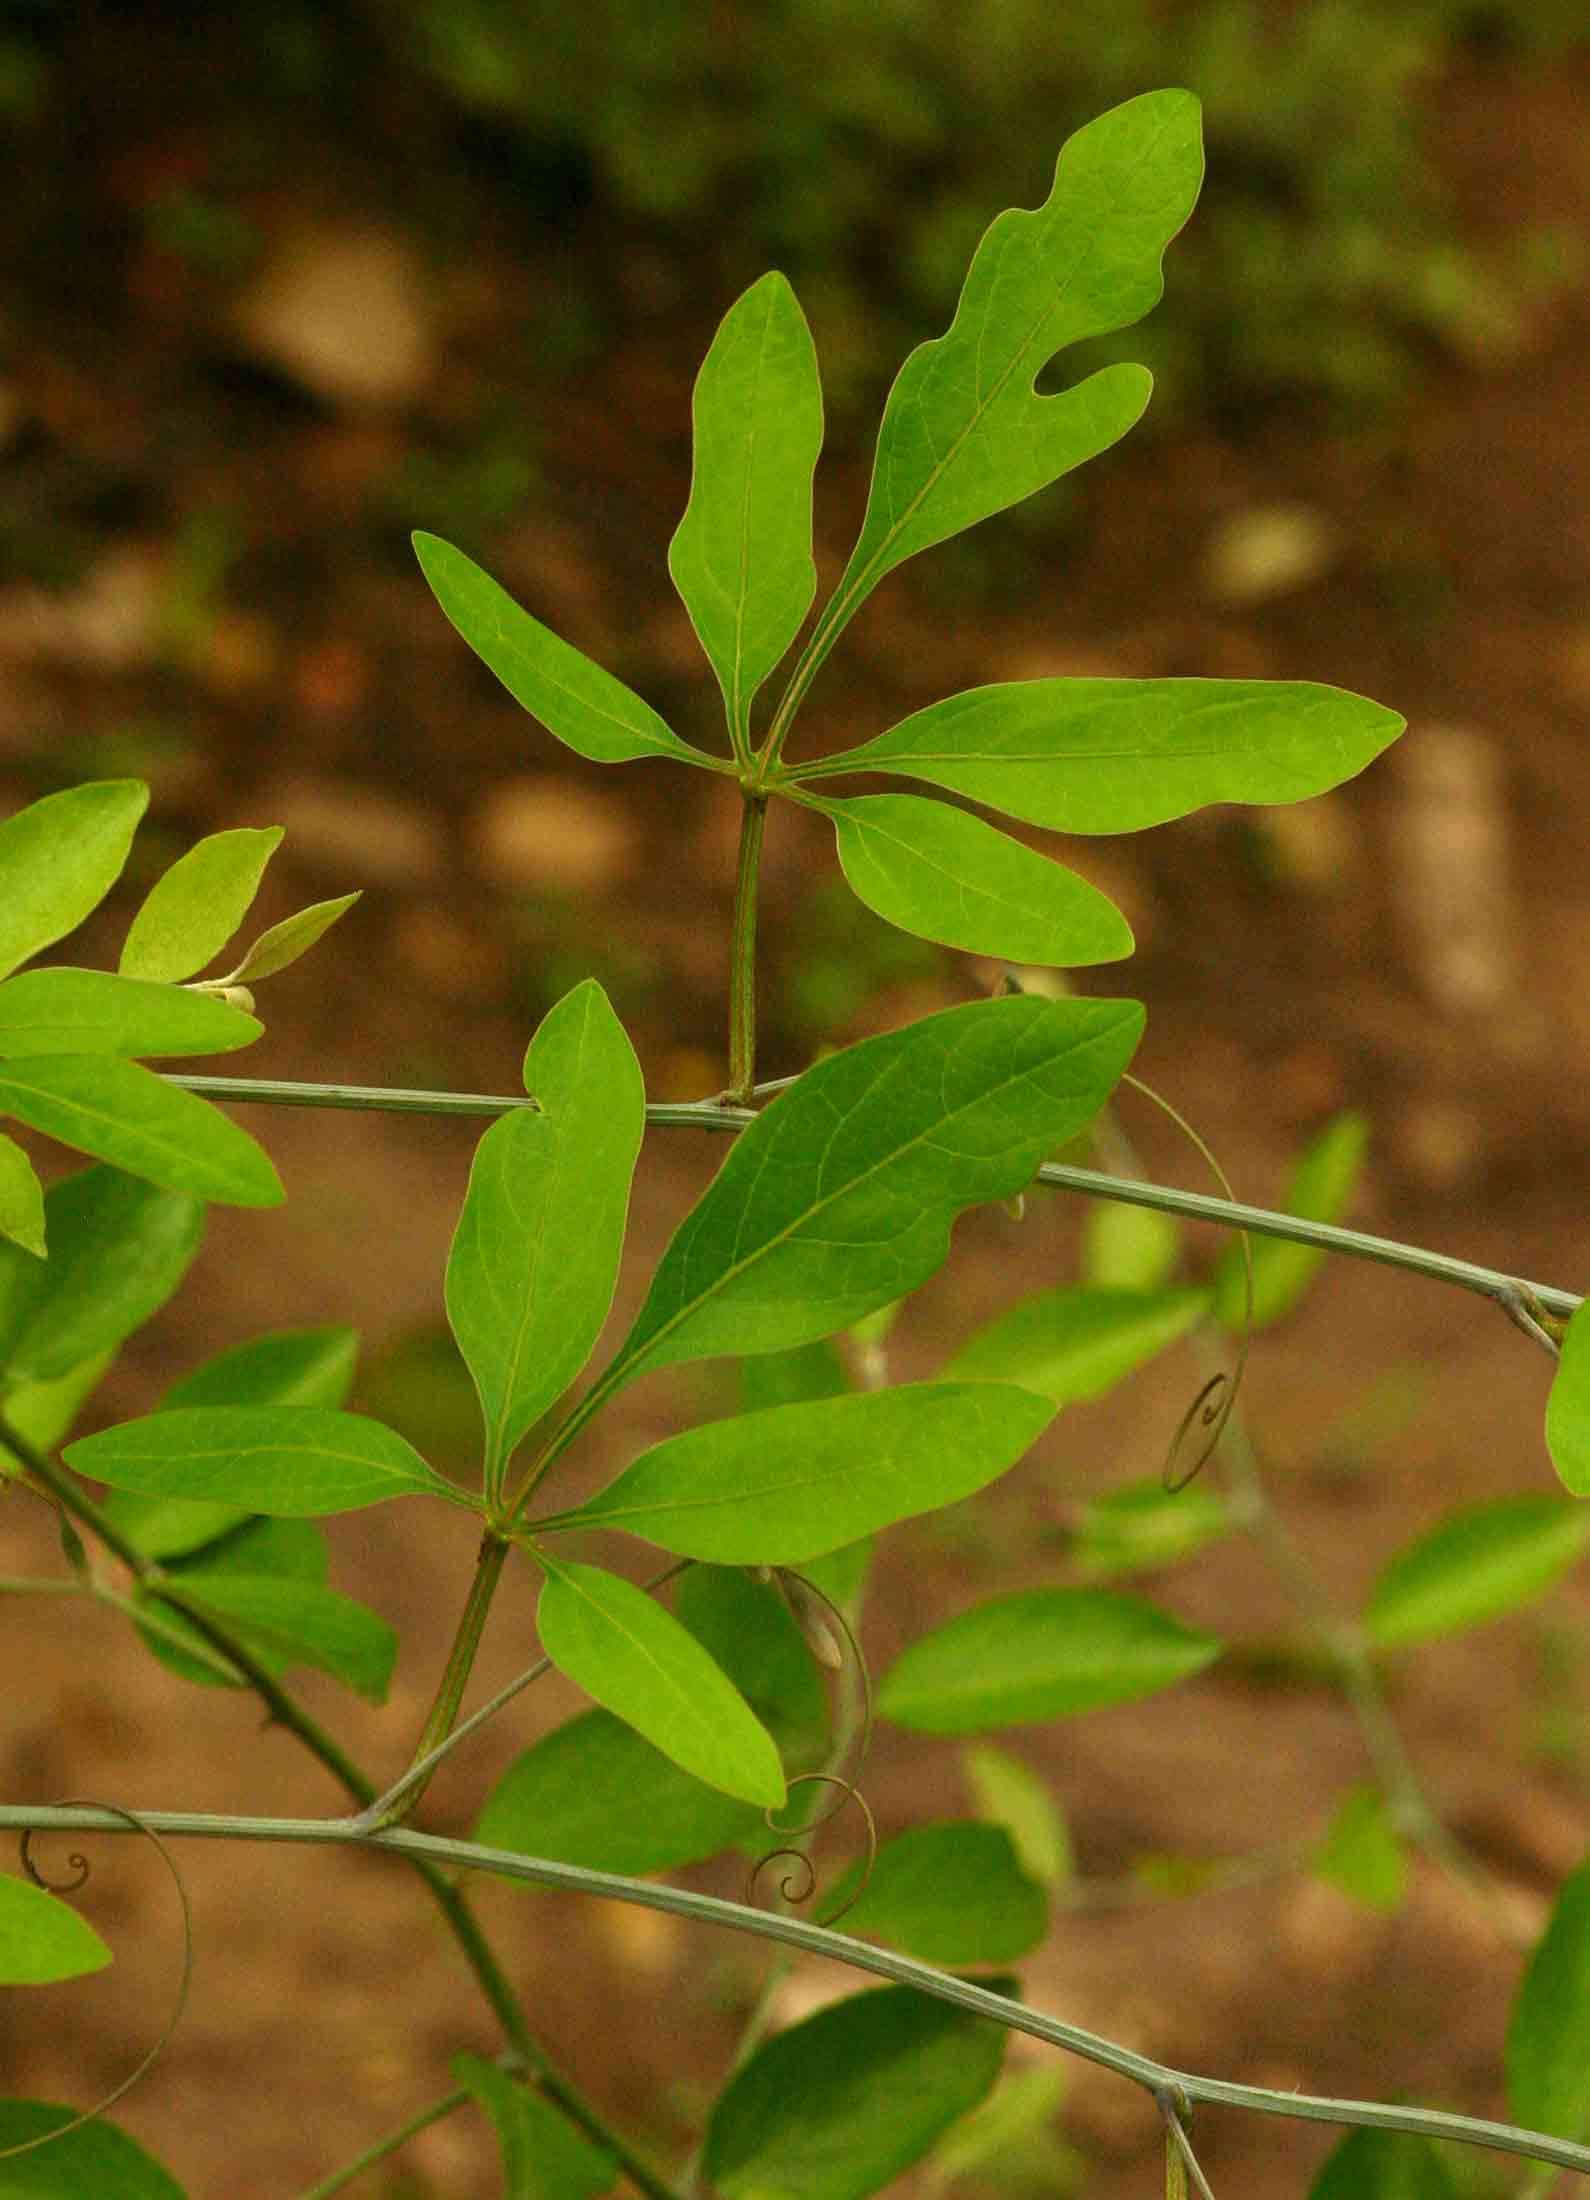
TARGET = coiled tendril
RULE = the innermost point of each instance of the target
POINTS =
(80, 1872)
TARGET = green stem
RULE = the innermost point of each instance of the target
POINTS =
(378, 2152)
(712, 1115)
(817, 1940)
(489, 1562)
(742, 968)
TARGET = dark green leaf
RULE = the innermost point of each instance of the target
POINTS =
(291, 1551)
(592, 1792)
(945, 875)
(964, 433)
(1362, 1854)
(283, 943)
(837, 2106)
(127, 1115)
(1012, 1794)
(292, 1367)
(787, 1484)
(1548, 2071)
(1114, 756)
(44, 1411)
(952, 1893)
(58, 860)
(840, 1196)
(303, 1623)
(748, 1628)
(43, 1939)
(812, 1370)
(1384, 2165)
(21, 1200)
(742, 556)
(1477, 1564)
(192, 911)
(1041, 1654)
(119, 1247)
(621, 1647)
(580, 704)
(291, 1461)
(1077, 1342)
(544, 2156)
(92, 2162)
(61, 1011)
(1008, 2144)
(1568, 1407)
(535, 1258)
(1322, 1188)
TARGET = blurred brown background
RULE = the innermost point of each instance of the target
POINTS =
(284, 283)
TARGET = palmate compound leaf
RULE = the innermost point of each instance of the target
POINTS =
(1473, 1566)
(63, 1011)
(741, 558)
(544, 2155)
(126, 1114)
(792, 1482)
(191, 912)
(837, 2106)
(92, 2159)
(964, 433)
(839, 1198)
(579, 703)
(43, 1939)
(1548, 2071)
(1040, 1654)
(942, 874)
(535, 1256)
(623, 1648)
(1568, 1407)
(58, 860)
(1115, 756)
(292, 1462)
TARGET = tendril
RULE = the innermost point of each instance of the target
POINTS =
(1211, 1409)
(80, 1868)
(799, 1884)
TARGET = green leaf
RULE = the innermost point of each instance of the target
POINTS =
(1114, 756)
(1076, 1342)
(1477, 1564)
(741, 558)
(1384, 2165)
(192, 911)
(304, 1623)
(964, 433)
(1322, 1188)
(290, 1461)
(593, 1792)
(812, 1370)
(43, 1939)
(787, 1484)
(283, 943)
(126, 1114)
(535, 1257)
(290, 1367)
(1144, 1526)
(119, 1247)
(944, 875)
(544, 2156)
(1362, 1853)
(1041, 1654)
(952, 1893)
(1548, 2071)
(578, 703)
(835, 2107)
(92, 2159)
(43, 1411)
(1568, 1407)
(621, 1647)
(1127, 1248)
(58, 860)
(21, 1200)
(62, 1011)
(1012, 1794)
(288, 1551)
(747, 1627)
(840, 1196)
(1013, 2122)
